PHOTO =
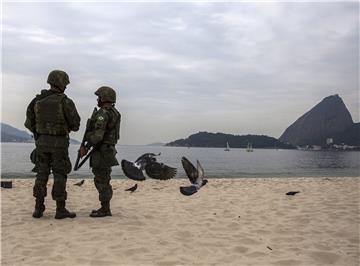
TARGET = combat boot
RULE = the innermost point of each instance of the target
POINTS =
(62, 212)
(103, 211)
(39, 208)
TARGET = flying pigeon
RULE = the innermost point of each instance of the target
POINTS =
(195, 175)
(80, 183)
(292, 193)
(153, 169)
(132, 189)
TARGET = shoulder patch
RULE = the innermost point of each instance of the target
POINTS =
(100, 118)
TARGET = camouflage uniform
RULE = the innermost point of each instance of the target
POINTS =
(50, 116)
(103, 135)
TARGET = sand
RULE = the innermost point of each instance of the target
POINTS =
(229, 222)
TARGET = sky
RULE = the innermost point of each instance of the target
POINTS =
(184, 67)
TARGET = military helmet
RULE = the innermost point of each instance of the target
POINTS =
(58, 78)
(106, 94)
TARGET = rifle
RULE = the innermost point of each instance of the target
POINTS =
(78, 164)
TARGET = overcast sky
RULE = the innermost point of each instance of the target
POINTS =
(180, 68)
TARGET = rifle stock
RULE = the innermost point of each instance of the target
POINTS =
(84, 160)
(78, 164)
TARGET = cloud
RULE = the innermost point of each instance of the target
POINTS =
(35, 35)
(179, 68)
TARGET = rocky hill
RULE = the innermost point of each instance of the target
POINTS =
(218, 140)
(327, 119)
(351, 136)
(12, 134)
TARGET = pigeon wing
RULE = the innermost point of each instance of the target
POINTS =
(145, 159)
(160, 171)
(200, 171)
(190, 169)
(132, 189)
(80, 183)
(131, 171)
(188, 191)
(145, 156)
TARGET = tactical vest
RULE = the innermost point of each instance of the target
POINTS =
(112, 134)
(49, 115)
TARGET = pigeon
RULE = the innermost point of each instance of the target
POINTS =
(292, 193)
(6, 184)
(80, 183)
(195, 175)
(153, 169)
(132, 189)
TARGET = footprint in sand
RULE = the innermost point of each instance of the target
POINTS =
(260, 232)
(256, 254)
(184, 235)
(324, 257)
(234, 225)
(286, 262)
(133, 251)
(240, 249)
(40, 251)
(249, 241)
(57, 258)
(101, 262)
(167, 263)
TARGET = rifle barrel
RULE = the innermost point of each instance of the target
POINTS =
(77, 164)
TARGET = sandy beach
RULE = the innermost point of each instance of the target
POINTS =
(229, 222)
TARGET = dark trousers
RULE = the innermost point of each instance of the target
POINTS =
(102, 183)
(49, 160)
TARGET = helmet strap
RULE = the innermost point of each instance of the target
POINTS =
(107, 104)
(104, 104)
(56, 88)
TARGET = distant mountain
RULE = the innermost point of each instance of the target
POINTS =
(327, 119)
(156, 144)
(12, 134)
(351, 136)
(218, 140)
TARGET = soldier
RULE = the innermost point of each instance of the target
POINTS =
(103, 135)
(50, 116)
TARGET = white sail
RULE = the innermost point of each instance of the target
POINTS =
(227, 147)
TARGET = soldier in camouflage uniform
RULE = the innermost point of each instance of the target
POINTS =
(103, 135)
(50, 116)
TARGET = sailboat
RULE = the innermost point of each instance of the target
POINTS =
(249, 147)
(227, 147)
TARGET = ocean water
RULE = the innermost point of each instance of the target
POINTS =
(216, 162)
